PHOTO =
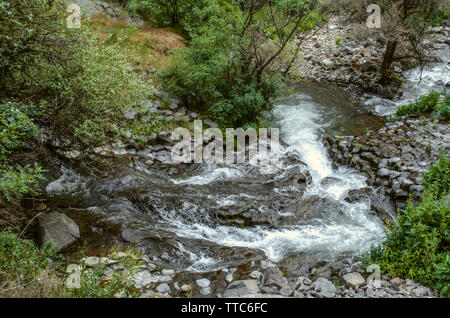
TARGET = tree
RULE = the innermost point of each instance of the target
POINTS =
(31, 34)
(226, 69)
(405, 22)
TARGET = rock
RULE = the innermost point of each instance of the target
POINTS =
(324, 288)
(164, 279)
(129, 114)
(72, 154)
(369, 67)
(143, 279)
(242, 288)
(397, 281)
(107, 261)
(274, 278)
(267, 265)
(203, 283)
(58, 228)
(354, 280)
(328, 64)
(163, 289)
(205, 291)
(186, 288)
(383, 173)
(286, 291)
(347, 50)
(255, 274)
(420, 291)
(91, 261)
(168, 272)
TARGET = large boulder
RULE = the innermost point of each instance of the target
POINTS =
(324, 288)
(59, 229)
(274, 278)
(242, 288)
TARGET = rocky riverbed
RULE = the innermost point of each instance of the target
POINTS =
(105, 205)
(394, 159)
(229, 231)
(337, 53)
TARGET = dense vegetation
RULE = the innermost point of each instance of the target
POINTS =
(29, 271)
(226, 70)
(432, 104)
(418, 244)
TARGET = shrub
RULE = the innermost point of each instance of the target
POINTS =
(32, 38)
(425, 104)
(226, 72)
(15, 125)
(20, 260)
(94, 285)
(417, 246)
(18, 181)
(208, 77)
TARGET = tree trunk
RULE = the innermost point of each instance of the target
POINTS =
(385, 70)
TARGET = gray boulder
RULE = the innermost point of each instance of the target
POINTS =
(274, 278)
(59, 229)
(324, 288)
(242, 288)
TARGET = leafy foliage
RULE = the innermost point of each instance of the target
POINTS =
(226, 70)
(14, 126)
(427, 104)
(32, 39)
(20, 260)
(417, 246)
(95, 285)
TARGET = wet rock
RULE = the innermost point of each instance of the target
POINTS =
(242, 288)
(274, 278)
(59, 229)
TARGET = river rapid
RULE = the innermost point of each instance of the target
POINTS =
(207, 217)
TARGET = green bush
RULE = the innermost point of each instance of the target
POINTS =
(94, 285)
(33, 38)
(15, 125)
(417, 246)
(20, 260)
(208, 77)
(168, 13)
(426, 104)
(15, 182)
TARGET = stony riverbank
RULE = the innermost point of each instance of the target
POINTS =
(393, 158)
(337, 53)
(267, 281)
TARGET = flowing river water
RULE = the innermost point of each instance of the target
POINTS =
(205, 217)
